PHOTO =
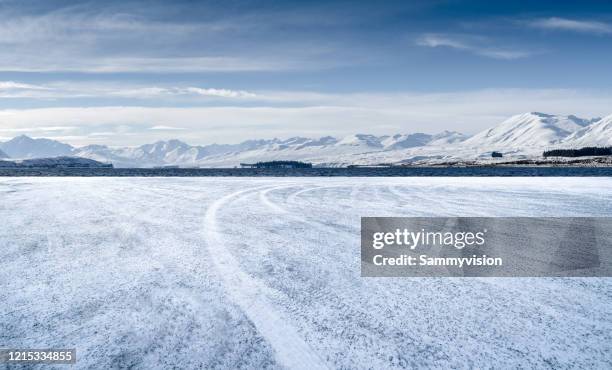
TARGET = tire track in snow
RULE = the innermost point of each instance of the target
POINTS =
(291, 351)
(263, 197)
(293, 196)
(303, 218)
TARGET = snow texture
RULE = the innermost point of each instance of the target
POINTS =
(596, 134)
(254, 273)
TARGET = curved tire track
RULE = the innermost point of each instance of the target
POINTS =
(250, 295)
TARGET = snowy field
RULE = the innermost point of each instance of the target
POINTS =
(265, 273)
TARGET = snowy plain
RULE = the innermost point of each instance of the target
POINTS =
(264, 273)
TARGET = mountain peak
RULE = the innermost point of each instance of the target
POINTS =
(404, 141)
(169, 141)
(361, 140)
(22, 137)
(598, 133)
(447, 137)
(583, 121)
(540, 114)
(25, 147)
(165, 144)
(528, 130)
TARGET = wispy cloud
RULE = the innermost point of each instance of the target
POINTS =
(102, 134)
(166, 128)
(11, 85)
(108, 38)
(436, 40)
(29, 61)
(564, 24)
(471, 44)
(12, 89)
(146, 92)
(39, 129)
(59, 90)
(504, 54)
(324, 114)
(224, 93)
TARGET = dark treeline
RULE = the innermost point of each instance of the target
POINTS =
(582, 152)
(283, 164)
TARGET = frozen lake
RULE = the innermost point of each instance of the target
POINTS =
(265, 273)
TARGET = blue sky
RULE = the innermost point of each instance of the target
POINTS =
(130, 72)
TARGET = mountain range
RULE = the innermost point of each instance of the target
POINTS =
(24, 147)
(521, 136)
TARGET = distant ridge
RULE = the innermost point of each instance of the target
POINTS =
(56, 162)
(528, 129)
(598, 133)
(24, 147)
(523, 136)
(317, 150)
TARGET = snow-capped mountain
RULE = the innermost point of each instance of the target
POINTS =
(361, 140)
(447, 137)
(3, 155)
(324, 150)
(598, 133)
(149, 155)
(171, 151)
(120, 157)
(319, 150)
(418, 139)
(400, 141)
(24, 147)
(528, 130)
(521, 136)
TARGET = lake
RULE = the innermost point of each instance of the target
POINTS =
(313, 172)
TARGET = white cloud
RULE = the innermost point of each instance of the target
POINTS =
(39, 128)
(64, 138)
(32, 62)
(59, 90)
(105, 39)
(152, 92)
(225, 93)
(103, 133)
(12, 89)
(434, 40)
(504, 54)
(166, 128)
(11, 85)
(138, 92)
(564, 24)
(472, 45)
(312, 114)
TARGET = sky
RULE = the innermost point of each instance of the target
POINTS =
(125, 73)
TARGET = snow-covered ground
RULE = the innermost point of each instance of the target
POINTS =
(264, 273)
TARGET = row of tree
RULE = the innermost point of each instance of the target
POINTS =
(283, 164)
(582, 152)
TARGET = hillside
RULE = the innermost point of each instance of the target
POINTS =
(523, 136)
(596, 134)
(25, 147)
(57, 162)
(528, 130)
